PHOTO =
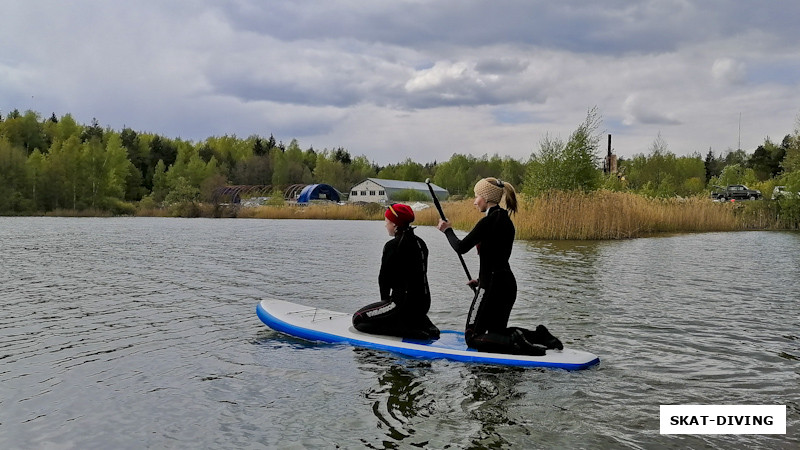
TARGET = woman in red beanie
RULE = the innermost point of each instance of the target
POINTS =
(403, 283)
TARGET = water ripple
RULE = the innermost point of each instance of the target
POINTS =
(136, 333)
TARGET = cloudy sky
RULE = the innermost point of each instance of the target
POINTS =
(419, 79)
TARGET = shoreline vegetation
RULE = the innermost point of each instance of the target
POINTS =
(598, 215)
(557, 215)
(59, 167)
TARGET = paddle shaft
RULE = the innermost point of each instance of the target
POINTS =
(441, 213)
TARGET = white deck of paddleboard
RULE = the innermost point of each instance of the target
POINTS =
(316, 324)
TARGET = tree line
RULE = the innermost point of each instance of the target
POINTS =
(58, 163)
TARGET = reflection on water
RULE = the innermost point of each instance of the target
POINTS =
(406, 400)
(137, 333)
(398, 398)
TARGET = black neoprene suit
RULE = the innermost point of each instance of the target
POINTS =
(487, 323)
(405, 295)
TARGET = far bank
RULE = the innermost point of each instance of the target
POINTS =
(553, 216)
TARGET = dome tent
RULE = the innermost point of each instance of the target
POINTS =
(318, 192)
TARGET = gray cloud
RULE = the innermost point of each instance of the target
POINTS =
(478, 75)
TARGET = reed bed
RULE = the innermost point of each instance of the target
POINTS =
(329, 211)
(557, 215)
(89, 212)
(604, 215)
(314, 211)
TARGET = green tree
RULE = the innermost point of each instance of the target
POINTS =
(791, 162)
(736, 157)
(310, 159)
(160, 182)
(455, 175)
(66, 128)
(341, 155)
(331, 171)
(735, 174)
(107, 170)
(567, 166)
(407, 170)
(36, 168)
(713, 166)
(513, 172)
(766, 160)
(545, 168)
(93, 131)
(662, 174)
(13, 176)
(296, 170)
(138, 155)
(67, 171)
(93, 157)
(190, 166)
(229, 150)
(182, 198)
(259, 148)
(359, 170)
(280, 169)
(24, 131)
(162, 149)
(255, 170)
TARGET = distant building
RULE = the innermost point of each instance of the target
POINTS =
(318, 192)
(383, 191)
(235, 194)
(610, 164)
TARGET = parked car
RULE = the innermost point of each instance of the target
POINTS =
(735, 192)
(781, 192)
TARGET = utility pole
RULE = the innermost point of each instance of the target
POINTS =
(740, 132)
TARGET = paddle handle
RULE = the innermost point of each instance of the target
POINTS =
(441, 214)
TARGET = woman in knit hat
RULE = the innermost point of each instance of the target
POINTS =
(403, 283)
(487, 323)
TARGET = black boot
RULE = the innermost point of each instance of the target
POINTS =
(433, 332)
(544, 337)
(523, 346)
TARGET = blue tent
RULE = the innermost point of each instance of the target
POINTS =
(318, 192)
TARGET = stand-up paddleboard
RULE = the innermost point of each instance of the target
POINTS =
(315, 324)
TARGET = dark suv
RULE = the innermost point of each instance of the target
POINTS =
(735, 192)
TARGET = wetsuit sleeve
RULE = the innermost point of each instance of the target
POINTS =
(474, 237)
(386, 272)
(424, 248)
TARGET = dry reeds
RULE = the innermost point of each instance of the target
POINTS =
(604, 215)
(314, 211)
(89, 212)
(557, 215)
(331, 211)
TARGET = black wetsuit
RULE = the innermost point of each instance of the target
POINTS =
(487, 322)
(405, 296)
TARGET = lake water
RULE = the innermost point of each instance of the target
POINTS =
(142, 333)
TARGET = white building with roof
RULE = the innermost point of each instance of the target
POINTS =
(378, 190)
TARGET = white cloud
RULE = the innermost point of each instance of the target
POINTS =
(392, 80)
(442, 73)
(640, 109)
(728, 70)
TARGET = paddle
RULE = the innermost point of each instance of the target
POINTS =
(441, 213)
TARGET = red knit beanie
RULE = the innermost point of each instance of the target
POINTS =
(399, 214)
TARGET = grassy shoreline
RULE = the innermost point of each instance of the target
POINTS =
(596, 215)
(599, 215)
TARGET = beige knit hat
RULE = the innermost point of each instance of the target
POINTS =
(489, 190)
